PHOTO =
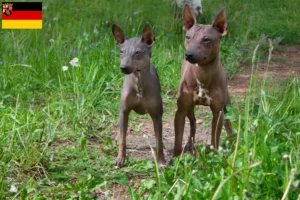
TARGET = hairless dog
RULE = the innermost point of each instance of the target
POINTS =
(203, 80)
(141, 88)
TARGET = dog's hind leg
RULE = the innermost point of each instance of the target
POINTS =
(227, 125)
(227, 122)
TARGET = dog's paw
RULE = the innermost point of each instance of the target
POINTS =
(232, 138)
(119, 162)
(162, 163)
(171, 162)
(189, 147)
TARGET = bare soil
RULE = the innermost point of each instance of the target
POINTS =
(139, 142)
(285, 64)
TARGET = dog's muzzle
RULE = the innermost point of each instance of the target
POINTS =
(125, 69)
(190, 57)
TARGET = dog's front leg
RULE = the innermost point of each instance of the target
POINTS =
(191, 140)
(123, 125)
(157, 124)
(217, 124)
(184, 104)
(179, 122)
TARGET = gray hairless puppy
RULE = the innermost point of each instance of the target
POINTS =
(141, 88)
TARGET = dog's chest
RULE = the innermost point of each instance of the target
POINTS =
(201, 95)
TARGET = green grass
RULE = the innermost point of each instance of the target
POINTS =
(55, 125)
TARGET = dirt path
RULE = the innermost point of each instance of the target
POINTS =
(138, 145)
(285, 64)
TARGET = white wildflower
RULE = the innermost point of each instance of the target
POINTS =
(13, 189)
(65, 68)
(285, 156)
(211, 147)
(74, 62)
(51, 40)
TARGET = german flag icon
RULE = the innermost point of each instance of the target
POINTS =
(22, 15)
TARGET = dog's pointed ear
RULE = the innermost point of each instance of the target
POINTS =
(147, 35)
(189, 18)
(118, 34)
(221, 23)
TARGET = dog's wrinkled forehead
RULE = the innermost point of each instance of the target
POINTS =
(131, 45)
(200, 30)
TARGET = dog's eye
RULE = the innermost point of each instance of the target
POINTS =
(121, 51)
(187, 37)
(137, 53)
(206, 40)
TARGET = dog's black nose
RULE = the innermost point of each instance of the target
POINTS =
(188, 55)
(123, 67)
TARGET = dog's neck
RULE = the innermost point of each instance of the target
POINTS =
(140, 77)
(212, 64)
(204, 73)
